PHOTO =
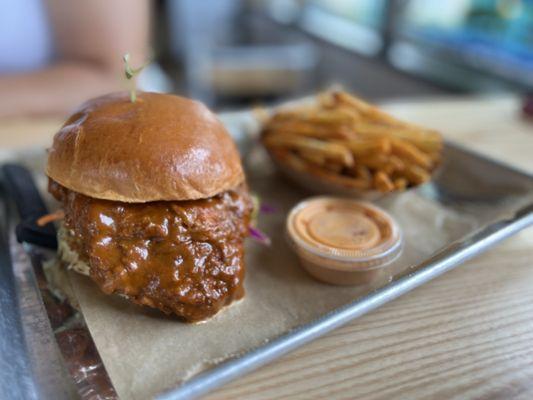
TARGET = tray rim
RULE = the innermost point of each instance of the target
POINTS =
(444, 260)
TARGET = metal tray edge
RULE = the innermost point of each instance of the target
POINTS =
(488, 159)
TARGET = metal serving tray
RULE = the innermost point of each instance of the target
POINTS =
(469, 182)
(498, 197)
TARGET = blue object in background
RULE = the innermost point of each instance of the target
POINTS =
(25, 36)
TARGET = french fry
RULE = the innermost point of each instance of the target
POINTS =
(410, 153)
(278, 153)
(298, 163)
(295, 162)
(294, 112)
(416, 175)
(292, 160)
(318, 116)
(339, 117)
(382, 182)
(343, 98)
(396, 163)
(302, 128)
(325, 99)
(261, 114)
(427, 141)
(377, 161)
(393, 165)
(361, 174)
(400, 183)
(360, 171)
(333, 166)
(332, 151)
(313, 157)
(368, 110)
(366, 147)
(320, 160)
(364, 173)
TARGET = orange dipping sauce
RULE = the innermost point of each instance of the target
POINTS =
(343, 241)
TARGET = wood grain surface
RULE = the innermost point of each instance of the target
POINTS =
(465, 335)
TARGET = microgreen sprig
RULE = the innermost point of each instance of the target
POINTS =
(131, 73)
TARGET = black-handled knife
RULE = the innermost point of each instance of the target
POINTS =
(30, 205)
(47, 375)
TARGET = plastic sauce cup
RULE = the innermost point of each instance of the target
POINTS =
(343, 241)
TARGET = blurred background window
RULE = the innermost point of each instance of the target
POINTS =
(378, 48)
(493, 38)
(229, 53)
(353, 24)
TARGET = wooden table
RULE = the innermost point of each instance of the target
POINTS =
(467, 334)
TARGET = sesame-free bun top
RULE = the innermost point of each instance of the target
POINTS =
(160, 147)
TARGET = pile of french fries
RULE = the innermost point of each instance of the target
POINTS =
(352, 143)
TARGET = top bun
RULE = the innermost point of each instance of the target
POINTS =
(161, 147)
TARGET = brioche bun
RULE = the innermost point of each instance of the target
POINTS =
(160, 147)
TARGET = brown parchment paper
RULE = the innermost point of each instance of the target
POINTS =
(145, 352)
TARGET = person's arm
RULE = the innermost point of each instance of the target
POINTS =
(90, 39)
